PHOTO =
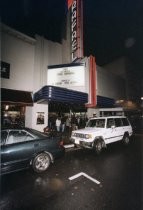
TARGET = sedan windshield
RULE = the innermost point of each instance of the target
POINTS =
(98, 123)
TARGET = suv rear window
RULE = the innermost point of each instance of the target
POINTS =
(125, 122)
(118, 122)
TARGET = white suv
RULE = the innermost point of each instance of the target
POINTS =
(102, 131)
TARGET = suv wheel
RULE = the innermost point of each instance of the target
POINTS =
(41, 162)
(98, 145)
(126, 139)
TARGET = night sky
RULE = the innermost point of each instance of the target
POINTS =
(111, 24)
(44, 17)
(111, 28)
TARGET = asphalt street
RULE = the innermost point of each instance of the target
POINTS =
(81, 180)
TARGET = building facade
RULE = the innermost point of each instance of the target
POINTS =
(27, 61)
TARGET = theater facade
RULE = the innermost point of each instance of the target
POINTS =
(39, 77)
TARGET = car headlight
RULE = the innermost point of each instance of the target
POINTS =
(73, 134)
(88, 136)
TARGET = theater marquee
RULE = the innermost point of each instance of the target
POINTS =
(71, 77)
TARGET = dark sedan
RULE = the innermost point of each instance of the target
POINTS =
(25, 147)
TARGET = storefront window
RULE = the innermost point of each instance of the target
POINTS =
(12, 115)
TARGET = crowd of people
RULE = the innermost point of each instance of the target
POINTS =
(66, 123)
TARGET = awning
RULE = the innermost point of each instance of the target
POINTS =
(60, 95)
(10, 96)
(103, 101)
(66, 108)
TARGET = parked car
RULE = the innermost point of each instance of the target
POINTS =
(25, 147)
(102, 131)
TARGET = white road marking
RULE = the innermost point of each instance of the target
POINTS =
(84, 174)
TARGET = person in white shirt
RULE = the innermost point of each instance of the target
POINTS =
(58, 124)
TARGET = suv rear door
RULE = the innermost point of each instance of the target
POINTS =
(110, 131)
(119, 128)
(115, 130)
(126, 125)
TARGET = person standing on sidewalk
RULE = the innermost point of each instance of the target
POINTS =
(63, 123)
(58, 124)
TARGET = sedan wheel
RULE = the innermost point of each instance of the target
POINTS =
(41, 162)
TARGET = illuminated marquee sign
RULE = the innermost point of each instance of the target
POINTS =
(74, 26)
(67, 77)
(76, 29)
